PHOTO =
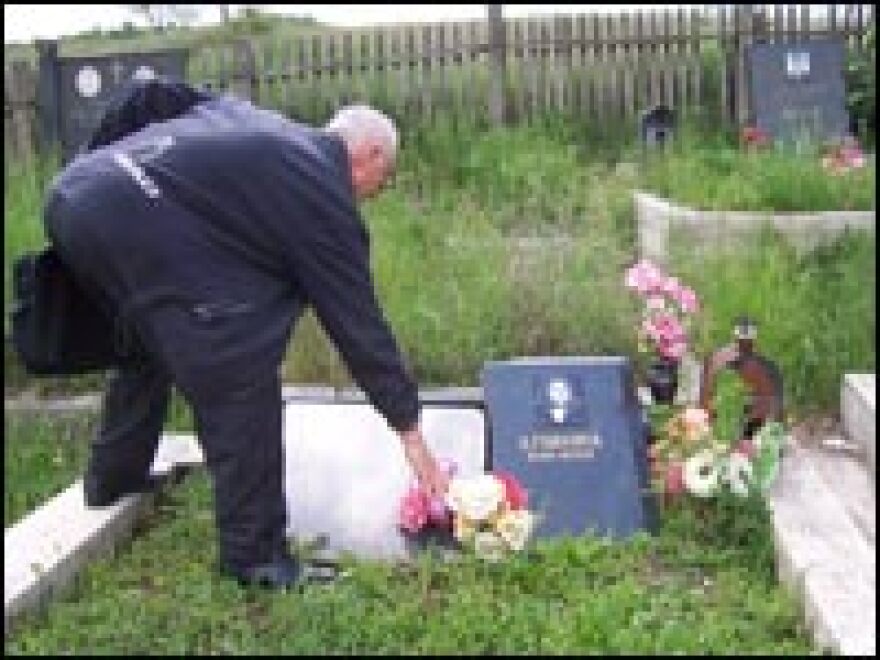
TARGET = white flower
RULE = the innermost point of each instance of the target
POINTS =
(462, 528)
(489, 546)
(515, 527)
(738, 473)
(475, 498)
(701, 474)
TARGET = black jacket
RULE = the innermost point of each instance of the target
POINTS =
(216, 222)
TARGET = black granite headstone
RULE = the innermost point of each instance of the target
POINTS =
(797, 90)
(571, 430)
(87, 83)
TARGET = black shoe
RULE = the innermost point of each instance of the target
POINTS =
(287, 572)
(102, 492)
(283, 572)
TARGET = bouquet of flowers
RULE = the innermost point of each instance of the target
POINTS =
(753, 138)
(843, 157)
(696, 455)
(668, 310)
(485, 512)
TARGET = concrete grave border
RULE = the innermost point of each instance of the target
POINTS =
(657, 219)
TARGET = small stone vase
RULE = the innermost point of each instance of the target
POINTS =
(662, 379)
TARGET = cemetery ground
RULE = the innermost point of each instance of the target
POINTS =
(492, 245)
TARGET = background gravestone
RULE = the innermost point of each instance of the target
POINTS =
(572, 431)
(797, 90)
(657, 126)
(86, 84)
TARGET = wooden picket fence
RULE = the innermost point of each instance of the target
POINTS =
(19, 102)
(607, 69)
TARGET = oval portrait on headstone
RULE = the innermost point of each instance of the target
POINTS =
(144, 72)
(88, 81)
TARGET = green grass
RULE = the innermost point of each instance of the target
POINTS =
(719, 177)
(816, 313)
(698, 587)
(43, 454)
(25, 183)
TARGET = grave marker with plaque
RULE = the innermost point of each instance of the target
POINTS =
(797, 90)
(571, 430)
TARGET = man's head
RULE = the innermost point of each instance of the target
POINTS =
(371, 141)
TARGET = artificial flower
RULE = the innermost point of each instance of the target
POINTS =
(413, 512)
(695, 423)
(515, 527)
(463, 529)
(655, 303)
(672, 350)
(514, 494)
(687, 300)
(476, 497)
(674, 478)
(644, 277)
(747, 448)
(738, 473)
(489, 546)
(701, 474)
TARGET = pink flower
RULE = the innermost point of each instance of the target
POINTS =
(746, 447)
(437, 511)
(644, 277)
(671, 286)
(840, 158)
(664, 328)
(696, 423)
(413, 513)
(673, 351)
(674, 480)
(687, 300)
(655, 303)
(852, 157)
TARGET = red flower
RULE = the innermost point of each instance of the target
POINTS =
(752, 136)
(747, 448)
(514, 494)
(674, 479)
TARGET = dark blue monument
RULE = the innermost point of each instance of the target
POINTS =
(571, 429)
(797, 89)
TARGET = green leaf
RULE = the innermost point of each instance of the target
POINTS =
(766, 464)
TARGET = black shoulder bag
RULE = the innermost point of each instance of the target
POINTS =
(58, 329)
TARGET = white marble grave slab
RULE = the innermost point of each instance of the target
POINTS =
(346, 472)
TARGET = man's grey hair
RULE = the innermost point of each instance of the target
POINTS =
(357, 123)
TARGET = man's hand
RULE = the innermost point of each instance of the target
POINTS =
(430, 476)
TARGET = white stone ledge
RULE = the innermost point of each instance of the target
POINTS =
(824, 558)
(657, 219)
(858, 409)
(46, 549)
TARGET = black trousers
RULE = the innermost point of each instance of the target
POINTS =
(241, 438)
(238, 420)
